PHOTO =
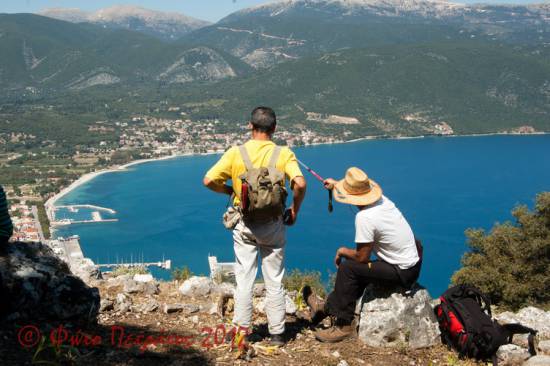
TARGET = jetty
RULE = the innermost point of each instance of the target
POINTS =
(164, 264)
(96, 215)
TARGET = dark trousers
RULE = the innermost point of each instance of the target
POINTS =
(352, 278)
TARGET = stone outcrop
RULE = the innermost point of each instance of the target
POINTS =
(391, 318)
(37, 285)
(531, 317)
(196, 286)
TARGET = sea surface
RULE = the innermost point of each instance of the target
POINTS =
(442, 185)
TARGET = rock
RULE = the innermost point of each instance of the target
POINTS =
(123, 303)
(190, 308)
(343, 363)
(540, 360)
(335, 354)
(223, 288)
(511, 354)
(544, 347)
(151, 288)
(196, 286)
(172, 308)
(531, 317)
(132, 287)
(39, 286)
(195, 319)
(143, 278)
(259, 289)
(290, 305)
(86, 269)
(106, 305)
(149, 306)
(260, 305)
(393, 318)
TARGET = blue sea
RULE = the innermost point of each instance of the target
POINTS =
(442, 185)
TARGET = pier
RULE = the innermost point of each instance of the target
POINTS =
(165, 264)
(96, 215)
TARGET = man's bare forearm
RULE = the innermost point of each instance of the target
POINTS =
(299, 188)
(218, 187)
(361, 256)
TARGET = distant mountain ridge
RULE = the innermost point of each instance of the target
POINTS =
(165, 25)
(47, 54)
(275, 32)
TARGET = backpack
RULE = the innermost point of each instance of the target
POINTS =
(263, 196)
(466, 324)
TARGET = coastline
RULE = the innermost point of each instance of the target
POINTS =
(50, 204)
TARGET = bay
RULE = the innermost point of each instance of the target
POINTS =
(442, 185)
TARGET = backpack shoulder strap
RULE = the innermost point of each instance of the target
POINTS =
(246, 158)
(274, 157)
(516, 328)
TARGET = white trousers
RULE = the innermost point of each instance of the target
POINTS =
(268, 241)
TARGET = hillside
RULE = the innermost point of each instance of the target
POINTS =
(44, 53)
(473, 87)
(166, 26)
(284, 30)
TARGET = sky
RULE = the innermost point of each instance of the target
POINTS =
(211, 10)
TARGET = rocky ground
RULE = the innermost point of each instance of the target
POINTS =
(141, 322)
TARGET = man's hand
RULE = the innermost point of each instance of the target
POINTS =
(338, 258)
(290, 216)
(329, 183)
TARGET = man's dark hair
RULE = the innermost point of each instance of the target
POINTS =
(264, 119)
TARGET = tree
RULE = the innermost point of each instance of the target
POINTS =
(512, 263)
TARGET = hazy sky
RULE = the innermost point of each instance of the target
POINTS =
(211, 10)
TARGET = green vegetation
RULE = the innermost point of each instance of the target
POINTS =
(511, 263)
(125, 270)
(297, 279)
(182, 274)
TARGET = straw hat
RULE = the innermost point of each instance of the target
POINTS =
(357, 189)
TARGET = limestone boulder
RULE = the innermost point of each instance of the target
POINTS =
(35, 284)
(512, 355)
(539, 360)
(396, 318)
(196, 286)
(530, 316)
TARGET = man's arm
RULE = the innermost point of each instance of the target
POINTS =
(217, 186)
(361, 254)
(298, 186)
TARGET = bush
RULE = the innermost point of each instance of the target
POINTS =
(297, 279)
(125, 270)
(512, 263)
(181, 274)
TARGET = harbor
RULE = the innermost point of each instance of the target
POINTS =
(73, 209)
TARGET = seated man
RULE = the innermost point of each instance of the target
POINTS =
(6, 228)
(380, 228)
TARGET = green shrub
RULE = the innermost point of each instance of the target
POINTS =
(125, 270)
(181, 274)
(297, 279)
(512, 263)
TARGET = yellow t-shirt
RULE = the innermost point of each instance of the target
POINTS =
(231, 165)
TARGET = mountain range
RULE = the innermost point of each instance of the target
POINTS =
(395, 66)
(166, 26)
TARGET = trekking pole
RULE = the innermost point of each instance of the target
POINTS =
(319, 178)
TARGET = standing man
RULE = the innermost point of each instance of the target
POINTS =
(263, 234)
(380, 228)
(6, 227)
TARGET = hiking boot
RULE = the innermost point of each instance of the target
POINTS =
(336, 333)
(277, 340)
(315, 303)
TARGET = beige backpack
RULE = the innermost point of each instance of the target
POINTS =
(263, 194)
